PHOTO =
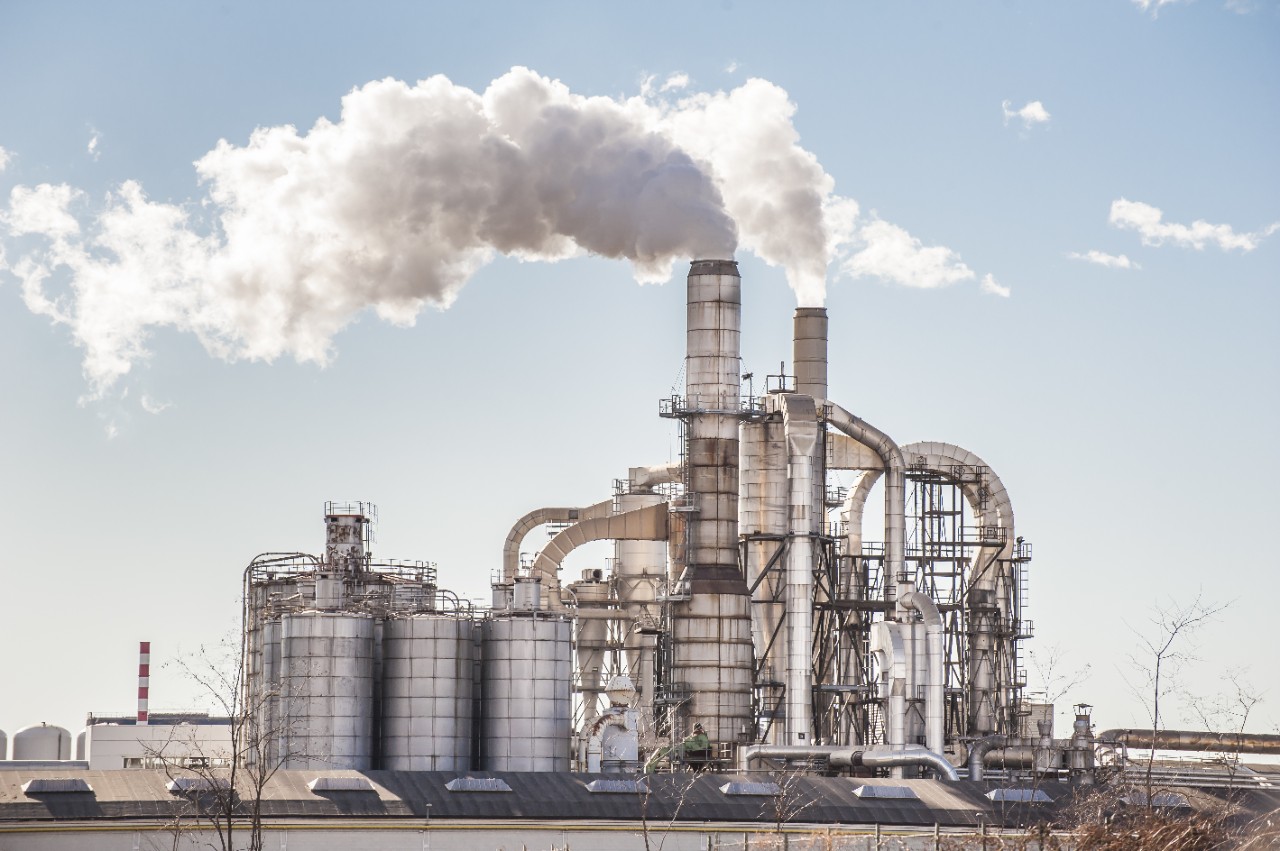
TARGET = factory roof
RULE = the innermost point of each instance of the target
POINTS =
(146, 794)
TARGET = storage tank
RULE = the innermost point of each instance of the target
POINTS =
(81, 738)
(427, 693)
(326, 690)
(4, 745)
(526, 705)
(42, 741)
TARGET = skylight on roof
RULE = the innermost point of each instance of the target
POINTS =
(900, 792)
(55, 785)
(477, 784)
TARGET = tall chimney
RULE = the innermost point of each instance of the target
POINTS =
(712, 654)
(809, 351)
(144, 681)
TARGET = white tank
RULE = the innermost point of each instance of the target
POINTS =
(81, 738)
(42, 741)
(526, 708)
(326, 671)
(4, 745)
(426, 693)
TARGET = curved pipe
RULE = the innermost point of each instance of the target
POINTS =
(919, 757)
(534, 519)
(935, 716)
(895, 495)
(1188, 740)
(980, 750)
(642, 524)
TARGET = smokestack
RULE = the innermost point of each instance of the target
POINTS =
(809, 351)
(712, 629)
(144, 681)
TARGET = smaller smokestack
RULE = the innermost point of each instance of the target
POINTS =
(809, 352)
(144, 680)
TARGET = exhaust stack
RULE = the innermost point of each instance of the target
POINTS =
(712, 628)
(809, 351)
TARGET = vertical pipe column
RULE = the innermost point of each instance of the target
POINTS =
(801, 421)
(711, 631)
(763, 526)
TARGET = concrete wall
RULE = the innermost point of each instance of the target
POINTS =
(112, 746)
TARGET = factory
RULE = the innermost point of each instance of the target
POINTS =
(746, 663)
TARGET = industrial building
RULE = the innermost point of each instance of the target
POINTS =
(746, 663)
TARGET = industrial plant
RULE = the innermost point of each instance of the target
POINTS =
(750, 651)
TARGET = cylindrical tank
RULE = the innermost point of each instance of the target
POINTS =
(81, 738)
(4, 745)
(326, 671)
(527, 705)
(42, 741)
(426, 693)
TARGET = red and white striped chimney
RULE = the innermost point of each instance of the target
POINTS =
(144, 679)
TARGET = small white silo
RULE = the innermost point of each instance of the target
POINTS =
(42, 741)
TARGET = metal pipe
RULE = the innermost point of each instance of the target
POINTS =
(1188, 740)
(642, 524)
(838, 756)
(755, 753)
(800, 420)
(980, 749)
(537, 517)
(895, 494)
(919, 757)
(935, 717)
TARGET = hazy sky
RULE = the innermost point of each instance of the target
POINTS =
(1047, 232)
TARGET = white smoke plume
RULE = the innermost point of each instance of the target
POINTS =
(393, 207)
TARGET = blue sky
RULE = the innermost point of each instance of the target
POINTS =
(1130, 411)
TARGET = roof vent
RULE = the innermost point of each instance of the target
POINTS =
(55, 785)
(186, 785)
(900, 792)
(618, 786)
(340, 784)
(744, 788)
(477, 784)
(1020, 796)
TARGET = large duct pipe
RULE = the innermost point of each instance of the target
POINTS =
(537, 517)
(800, 420)
(1188, 740)
(918, 757)
(843, 757)
(809, 351)
(642, 524)
(895, 493)
(935, 717)
(712, 651)
(979, 751)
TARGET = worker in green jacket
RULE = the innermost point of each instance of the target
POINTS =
(697, 744)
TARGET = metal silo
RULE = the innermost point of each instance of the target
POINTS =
(326, 704)
(4, 745)
(426, 693)
(527, 705)
(42, 741)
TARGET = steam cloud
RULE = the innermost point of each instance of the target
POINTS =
(395, 205)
